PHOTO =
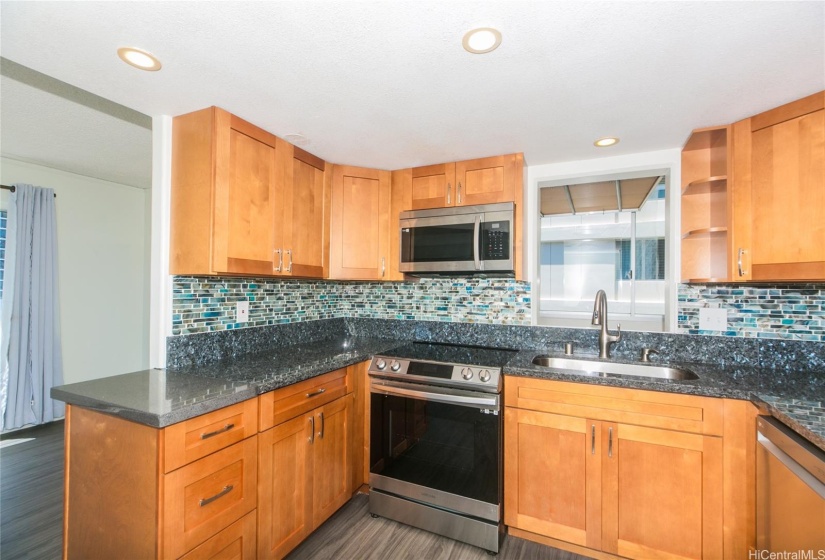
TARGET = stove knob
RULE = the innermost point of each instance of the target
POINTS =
(484, 375)
(467, 373)
(380, 363)
(395, 366)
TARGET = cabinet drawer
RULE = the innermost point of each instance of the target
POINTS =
(281, 405)
(206, 496)
(236, 542)
(198, 437)
(686, 413)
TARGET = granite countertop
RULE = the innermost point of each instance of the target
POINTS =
(159, 398)
(792, 396)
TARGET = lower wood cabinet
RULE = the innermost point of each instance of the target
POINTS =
(578, 471)
(124, 500)
(303, 475)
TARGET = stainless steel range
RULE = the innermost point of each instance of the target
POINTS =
(436, 440)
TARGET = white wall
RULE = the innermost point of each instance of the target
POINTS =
(668, 161)
(103, 259)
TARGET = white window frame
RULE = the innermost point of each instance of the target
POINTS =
(645, 164)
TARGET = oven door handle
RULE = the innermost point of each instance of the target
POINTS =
(491, 402)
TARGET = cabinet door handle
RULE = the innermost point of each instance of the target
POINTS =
(383, 266)
(739, 261)
(316, 393)
(289, 266)
(610, 442)
(449, 193)
(458, 192)
(226, 428)
(280, 260)
(593, 439)
(226, 490)
(312, 429)
(321, 433)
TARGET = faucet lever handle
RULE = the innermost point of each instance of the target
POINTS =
(646, 352)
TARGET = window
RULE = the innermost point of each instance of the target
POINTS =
(619, 251)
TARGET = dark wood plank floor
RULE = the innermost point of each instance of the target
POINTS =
(352, 534)
(31, 517)
(31, 494)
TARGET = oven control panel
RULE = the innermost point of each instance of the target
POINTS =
(482, 378)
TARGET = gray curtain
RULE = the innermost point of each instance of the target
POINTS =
(32, 361)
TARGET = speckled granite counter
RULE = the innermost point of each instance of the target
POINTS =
(159, 398)
(792, 396)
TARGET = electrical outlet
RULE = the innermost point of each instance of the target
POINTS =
(241, 311)
(713, 319)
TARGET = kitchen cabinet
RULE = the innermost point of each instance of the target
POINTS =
(432, 186)
(632, 473)
(160, 507)
(706, 209)
(779, 193)
(360, 224)
(243, 201)
(478, 181)
(304, 462)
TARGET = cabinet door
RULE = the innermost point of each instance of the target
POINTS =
(433, 186)
(662, 493)
(331, 478)
(247, 202)
(359, 228)
(779, 193)
(306, 213)
(552, 483)
(284, 493)
(486, 180)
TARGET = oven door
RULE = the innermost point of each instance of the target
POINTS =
(437, 446)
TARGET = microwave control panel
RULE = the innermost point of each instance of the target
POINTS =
(495, 241)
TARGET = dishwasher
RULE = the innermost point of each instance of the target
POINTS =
(790, 492)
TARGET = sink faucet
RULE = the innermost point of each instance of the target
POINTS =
(600, 318)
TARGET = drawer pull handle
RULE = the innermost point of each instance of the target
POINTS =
(206, 501)
(216, 432)
(316, 393)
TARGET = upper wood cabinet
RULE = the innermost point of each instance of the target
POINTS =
(465, 183)
(360, 224)
(244, 201)
(433, 186)
(779, 193)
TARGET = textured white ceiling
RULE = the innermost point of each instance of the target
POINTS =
(386, 84)
(49, 130)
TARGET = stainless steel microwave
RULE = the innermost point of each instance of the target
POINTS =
(459, 240)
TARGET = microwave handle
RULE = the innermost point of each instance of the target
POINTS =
(477, 241)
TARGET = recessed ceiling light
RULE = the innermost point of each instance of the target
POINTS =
(139, 59)
(606, 141)
(481, 40)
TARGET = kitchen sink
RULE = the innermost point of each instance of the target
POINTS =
(601, 369)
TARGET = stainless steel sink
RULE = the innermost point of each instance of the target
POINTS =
(600, 369)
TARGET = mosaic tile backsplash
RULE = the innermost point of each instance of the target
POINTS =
(208, 304)
(783, 311)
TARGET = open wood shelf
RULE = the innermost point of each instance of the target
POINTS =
(705, 185)
(704, 231)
